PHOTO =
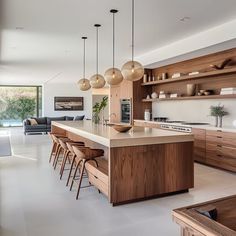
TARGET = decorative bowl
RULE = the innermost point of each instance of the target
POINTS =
(122, 128)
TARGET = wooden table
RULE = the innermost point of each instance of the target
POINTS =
(195, 224)
(141, 164)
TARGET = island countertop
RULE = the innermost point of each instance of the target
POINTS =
(109, 137)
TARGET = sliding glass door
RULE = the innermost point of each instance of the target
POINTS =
(18, 103)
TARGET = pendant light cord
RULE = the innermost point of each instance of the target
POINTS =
(97, 52)
(132, 30)
(113, 40)
(84, 56)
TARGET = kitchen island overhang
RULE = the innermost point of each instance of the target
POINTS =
(141, 164)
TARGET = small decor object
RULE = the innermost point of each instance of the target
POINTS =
(222, 65)
(68, 103)
(98, 108)
(191, 89)
(113, 75)
(122, 128)
(145, 78)
(148, 96)
(154, 95)
(176, 75)
(226, 91)
(194, 73)
(164, 76)
(153, 78)
(149, 78)
(173, 95)
(97, 81)
(162, 94)
(218, 112)
(158, 77)
(147, 115)
(132, 70)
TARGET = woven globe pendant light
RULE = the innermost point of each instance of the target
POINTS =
(132, 70)
(113, 75)
(84, 83)
(97, 81)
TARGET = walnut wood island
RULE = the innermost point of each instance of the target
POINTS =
(140, 164)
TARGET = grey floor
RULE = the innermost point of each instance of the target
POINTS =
(34, 202)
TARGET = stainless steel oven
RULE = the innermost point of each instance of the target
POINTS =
(125, 106)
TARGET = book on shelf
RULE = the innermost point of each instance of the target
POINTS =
(227, 91)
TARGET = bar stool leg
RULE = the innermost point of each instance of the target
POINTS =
(57, 157)
(53, 151)
(56, 153)
(67, 153)
(71, 168)
(74, 175)
(80, 178)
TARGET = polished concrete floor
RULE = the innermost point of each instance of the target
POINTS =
(34, 202)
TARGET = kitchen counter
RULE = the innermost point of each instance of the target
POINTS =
(141, 164)
(206, 127)
(109, 137)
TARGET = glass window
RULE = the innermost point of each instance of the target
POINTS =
(18, 103)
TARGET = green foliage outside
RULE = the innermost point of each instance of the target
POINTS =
(18, 108)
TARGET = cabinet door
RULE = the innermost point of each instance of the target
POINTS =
(199, 145)
(126, 89)
(114, 106)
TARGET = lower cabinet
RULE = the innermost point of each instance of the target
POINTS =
(199, 152)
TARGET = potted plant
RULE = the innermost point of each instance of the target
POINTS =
(98, 108)
(218, 112)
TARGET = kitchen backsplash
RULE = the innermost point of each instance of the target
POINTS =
(194, 111)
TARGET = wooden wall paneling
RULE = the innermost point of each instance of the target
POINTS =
(114, 104)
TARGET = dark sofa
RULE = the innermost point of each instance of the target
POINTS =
(44, 123)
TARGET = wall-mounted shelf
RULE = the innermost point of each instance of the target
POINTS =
(190, 77)
(191, 98)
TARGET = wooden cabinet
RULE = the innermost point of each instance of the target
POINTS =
(114, 105)
(221, 149)
(199, 145)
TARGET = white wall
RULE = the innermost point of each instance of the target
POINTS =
(194, 110)
(51, 90)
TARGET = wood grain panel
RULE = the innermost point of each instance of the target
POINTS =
(145, 171)
(199, 145)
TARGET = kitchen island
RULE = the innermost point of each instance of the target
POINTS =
(140, 164)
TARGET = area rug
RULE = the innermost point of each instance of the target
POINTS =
(5, 146)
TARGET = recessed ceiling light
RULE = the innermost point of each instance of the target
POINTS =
(19, 27)
(185, 18)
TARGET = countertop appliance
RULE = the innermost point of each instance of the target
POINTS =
(125, 106)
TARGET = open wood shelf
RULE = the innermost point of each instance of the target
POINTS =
(191, 98)
(189, 77)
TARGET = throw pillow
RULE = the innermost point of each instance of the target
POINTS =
(33, 122)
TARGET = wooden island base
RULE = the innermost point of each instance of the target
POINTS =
(134, 173)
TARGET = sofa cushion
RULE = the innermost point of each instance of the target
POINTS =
(50, 119)
(40, 120)
(35, 128)
(33, 121)
(79, 118)
(69, 117)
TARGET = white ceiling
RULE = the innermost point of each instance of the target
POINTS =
(41, 40)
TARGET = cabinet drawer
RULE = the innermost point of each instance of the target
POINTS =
(98, 176)
(228, 152)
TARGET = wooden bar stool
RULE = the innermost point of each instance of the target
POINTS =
(67, 153)
(60, 149)
(54, 145)
(83, 155)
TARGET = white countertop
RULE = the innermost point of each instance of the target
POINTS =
(207, 127)
(109, 137)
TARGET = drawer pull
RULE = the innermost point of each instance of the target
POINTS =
(218, 136)
(95, 177)
(219, 155)
(218, 145)
(219, 130)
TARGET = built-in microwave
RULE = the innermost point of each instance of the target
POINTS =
(125, 106)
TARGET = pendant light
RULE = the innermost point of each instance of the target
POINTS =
(113, 75)
(97, 80)
(83, 83)
(132, 70)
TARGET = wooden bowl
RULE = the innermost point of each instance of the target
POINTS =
(122, 128)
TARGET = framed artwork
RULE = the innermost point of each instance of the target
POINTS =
(68, 103)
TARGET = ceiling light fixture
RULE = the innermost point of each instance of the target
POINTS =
(132, 70)
(97, 80)
(113, 75)
(83, 83)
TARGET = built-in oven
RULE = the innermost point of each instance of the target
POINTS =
(125, 106)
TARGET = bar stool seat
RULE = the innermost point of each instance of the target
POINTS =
(83, 155)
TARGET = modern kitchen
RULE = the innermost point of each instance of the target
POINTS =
(117, 118)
